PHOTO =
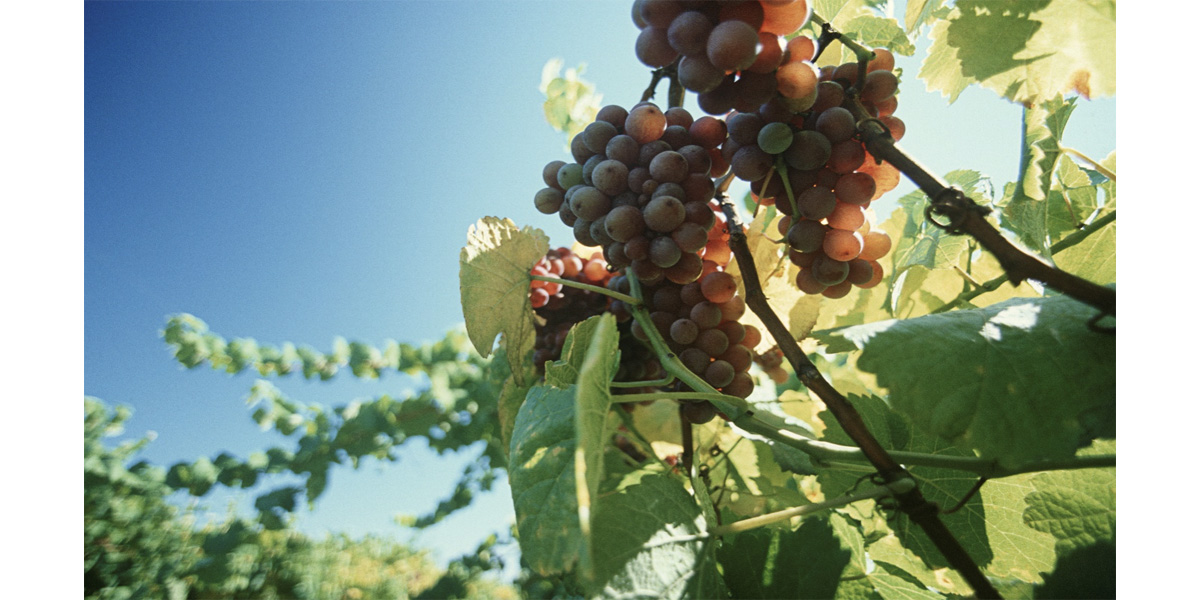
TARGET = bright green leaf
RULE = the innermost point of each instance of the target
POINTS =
(646, 546)
(599, 366)
(1018, 381)
(542, 477)
(494, 284)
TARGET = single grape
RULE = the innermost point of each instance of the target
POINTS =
(719, 373)
(846, 216)
(653, 47)
(664, 214)
(797, 80)
(806, 235)
(699, 412)
(732, 45)
(669, 166)
(809, 150)
(684, 331)
(836, 124)
(624, 222)
(688, 33)
(875, 245)
(548, 200)
(645, 123)
(816, 203)
(718, 287)
(753, 337)
(842, 245)
(774, 138)
(855, 188)
(664, 252)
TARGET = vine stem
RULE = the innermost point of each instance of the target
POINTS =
(898, 486)
(994, 284)
(626, 398)
(921, 511)
(967, 217)
(630, 300)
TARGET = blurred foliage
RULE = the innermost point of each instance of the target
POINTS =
(455, 410)
(138, 545)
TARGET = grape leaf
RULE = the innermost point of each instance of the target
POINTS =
(919, 12)
(494, 285)
(1027, 52)
(1094, 258)
(645, 542)
(1072, 199)
(989, 525)
(564, 372)
(1018, 381)
(542, 477)
(599, 366)
(778, 563)
(1079, 508)
(1025, 212)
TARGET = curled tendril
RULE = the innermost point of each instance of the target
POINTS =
(951, 202)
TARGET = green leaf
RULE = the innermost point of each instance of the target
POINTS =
(779, 563)
(494, 284)
(989, 525)
(919, 12)
(894, 583)
(1027, 51)
(1087, 572)
(647, 545)
(564, 372)
(1026, 212)
(1079, 508)
(1018, 381)
(542, 477)
(1094, 258)
(597, 370)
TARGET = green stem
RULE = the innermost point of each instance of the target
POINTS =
(731, 406)
(668, 380)
(898, 486)
(781, 167)
(717, 397)
(630, 300)
(773, 427)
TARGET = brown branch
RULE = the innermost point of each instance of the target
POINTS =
(964, 216)
(921, 511)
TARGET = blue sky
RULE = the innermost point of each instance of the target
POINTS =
(295, 171)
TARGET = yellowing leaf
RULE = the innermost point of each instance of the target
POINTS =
(1027, 51)
(494, 283)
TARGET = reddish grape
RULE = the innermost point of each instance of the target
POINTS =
(842, 245)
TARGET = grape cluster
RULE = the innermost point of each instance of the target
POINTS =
(815, 170)
(560, 306)
(699, 321)
(730, 53)
(640, 188)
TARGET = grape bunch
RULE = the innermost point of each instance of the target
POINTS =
(730, 53)
(699, 321)
(640, 189)
(560, 306)
(815, 170)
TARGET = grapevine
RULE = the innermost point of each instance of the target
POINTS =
(676, 271)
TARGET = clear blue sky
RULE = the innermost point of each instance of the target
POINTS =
(295, 171)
